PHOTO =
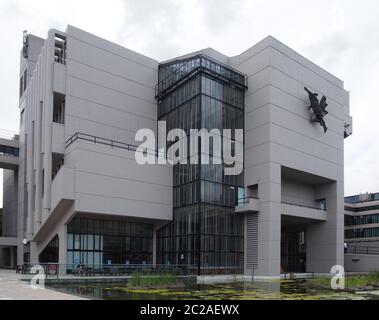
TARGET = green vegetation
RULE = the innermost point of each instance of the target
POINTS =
(145, 287)
(289, 290)
(373, 277)
(370, 280)
(351, 282)
(152, 281)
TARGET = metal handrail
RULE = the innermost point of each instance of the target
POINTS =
(106, 141)
(362, 250)
(161, 86)
(302, 206)
(177, 70)
(54, 269)
(245, 200)
(292, 274)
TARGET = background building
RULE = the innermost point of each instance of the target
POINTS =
(362, 232)
(83, 198)
(8, 226)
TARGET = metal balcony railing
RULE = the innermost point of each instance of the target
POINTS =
(303, 206)
(9, 151)
(203, 63)
(362, 250)
(245, 200)
(106, 141)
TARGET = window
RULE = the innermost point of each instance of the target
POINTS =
(23, 82)
(205, 231)
(25, 78)
(321, 204)
(60, 48)
(51, 251)
(21, 86)
(59, 108)
(98, 241)
(22, 115)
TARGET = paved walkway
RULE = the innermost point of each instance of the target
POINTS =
(12, 288)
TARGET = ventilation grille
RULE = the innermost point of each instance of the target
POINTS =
(252, 241)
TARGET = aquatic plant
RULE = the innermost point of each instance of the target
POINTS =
(138, 280)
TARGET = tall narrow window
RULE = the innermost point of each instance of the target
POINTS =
(21, 86)
(43, 182)
(22, 117)
(25, 78)
(60, 48)
(59, 108)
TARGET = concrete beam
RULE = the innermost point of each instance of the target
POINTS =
(8, 162)
(8, 241)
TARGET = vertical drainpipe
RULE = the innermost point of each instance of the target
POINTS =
(154, 246)
(29, 157)
(38, 134)
(48, 120)
(32, 97)
(35, 146)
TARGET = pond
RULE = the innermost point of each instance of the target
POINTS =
(273, 290)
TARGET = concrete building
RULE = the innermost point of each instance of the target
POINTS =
(83, 198)
(8, 226)
(362, 232)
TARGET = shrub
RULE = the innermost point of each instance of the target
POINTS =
(135, 279)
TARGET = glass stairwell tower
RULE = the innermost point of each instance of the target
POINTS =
(206, 235)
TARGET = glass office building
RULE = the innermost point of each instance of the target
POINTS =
(206, 234)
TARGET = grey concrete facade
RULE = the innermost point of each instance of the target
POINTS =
(290, 159)
(100, 99)
(103, 90)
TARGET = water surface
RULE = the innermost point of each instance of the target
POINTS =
(281, 289)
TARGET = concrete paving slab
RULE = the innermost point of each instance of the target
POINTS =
(13, 288)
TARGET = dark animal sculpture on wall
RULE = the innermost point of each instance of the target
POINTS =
(318, 108)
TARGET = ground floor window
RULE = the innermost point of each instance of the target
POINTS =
(293, 251)
(51, 253)
(97, 242)
(206, 239)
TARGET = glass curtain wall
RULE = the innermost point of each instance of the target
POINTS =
(51, 253)
(96, 242)
(205, 234)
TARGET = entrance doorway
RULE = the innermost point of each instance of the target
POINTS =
(293, 251)
(293, 246)
(8, 256)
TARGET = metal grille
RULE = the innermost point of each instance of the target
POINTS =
(252, 241)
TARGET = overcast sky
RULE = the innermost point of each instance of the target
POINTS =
(341, 36)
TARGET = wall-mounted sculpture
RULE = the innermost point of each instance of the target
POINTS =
(318, 108)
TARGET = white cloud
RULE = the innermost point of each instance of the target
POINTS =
(341, 37)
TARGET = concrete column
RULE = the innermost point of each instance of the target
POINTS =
(1, 257)
(13, 256)
(269, 220)
(154, 247)
(245, 270)
(62, 234)
(30, 186)
(48, 120)
(21, 212)
(325, 239)
(38, 137)
(33, 253)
